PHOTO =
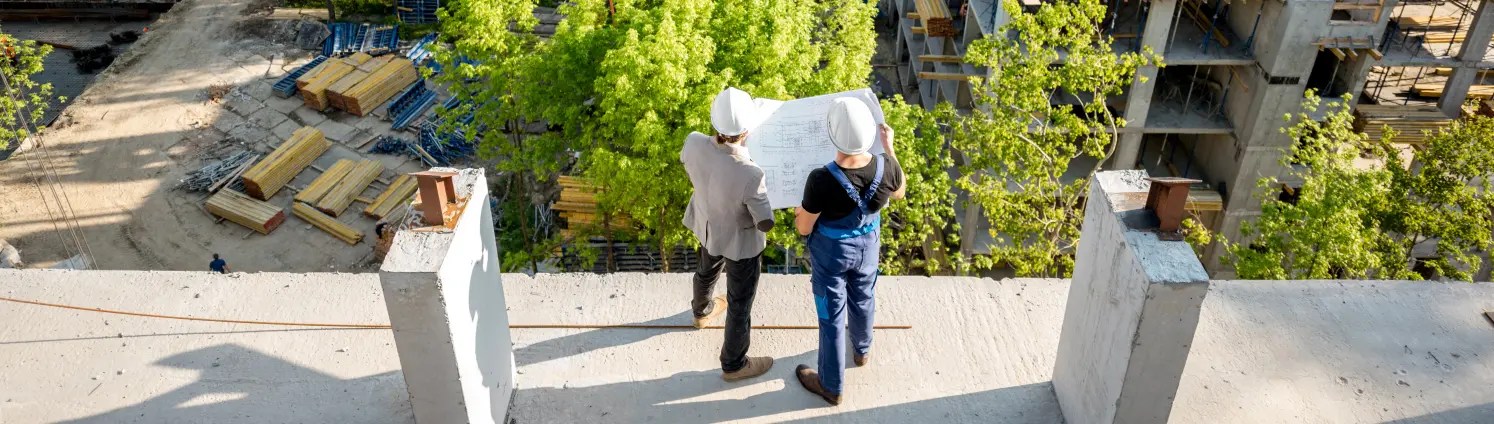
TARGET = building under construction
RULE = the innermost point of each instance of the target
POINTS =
(1232, 70)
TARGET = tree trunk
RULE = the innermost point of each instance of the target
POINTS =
(331, 12)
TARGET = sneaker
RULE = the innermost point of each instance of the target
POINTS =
(861, 360)
(718, 305)
(811, 382)
(756, 366)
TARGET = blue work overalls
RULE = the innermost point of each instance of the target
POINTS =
(844, 255)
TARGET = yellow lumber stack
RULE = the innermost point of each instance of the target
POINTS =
(578, 206)
(324, 182)
(244, 210)
(335, 92)
(395, 195)
(934, 15)
(1435, 90)
(386, 82)
(342, 194)
(326, 223)
(276, 170)
(315, 72)
(1408, 121)
(314, 93)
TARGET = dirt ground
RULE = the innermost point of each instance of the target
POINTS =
(121, 148)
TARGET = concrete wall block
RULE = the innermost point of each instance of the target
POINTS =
(445, 300)
(1131, 312)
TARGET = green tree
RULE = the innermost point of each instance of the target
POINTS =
(1041, 111)
(26, 100)
(1353, 218)
(622, 89)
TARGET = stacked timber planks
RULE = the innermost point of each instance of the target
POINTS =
(276, 170)
(934, 14)
(247, 211)
(349, 187)
(324, 183)
(326, 223)
(314, 92)
(578, 206)
(1408, 121)
(1204, 199)
(393, 196)
(335, 97)
(380, 85)
(1435, 90)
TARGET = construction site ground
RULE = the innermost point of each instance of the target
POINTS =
(120, 149)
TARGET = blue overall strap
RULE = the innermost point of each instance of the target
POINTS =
(862, 200)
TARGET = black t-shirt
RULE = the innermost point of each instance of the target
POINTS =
(824, 195)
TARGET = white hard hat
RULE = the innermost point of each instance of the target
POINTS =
(852, 128)
(733, 113)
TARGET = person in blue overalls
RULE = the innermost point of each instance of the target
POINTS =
(841, 214)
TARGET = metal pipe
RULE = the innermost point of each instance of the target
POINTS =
(1209, 35)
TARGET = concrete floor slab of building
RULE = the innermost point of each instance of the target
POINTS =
(980, 350)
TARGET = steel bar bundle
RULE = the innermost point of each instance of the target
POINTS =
(324, 183)
(335, 97)
(314, 93)
(379, 86)
(326, 223)
(1408, 121)
(396, 194)
(244, 210)
(276, 170)
(209, 176)
(342, 195)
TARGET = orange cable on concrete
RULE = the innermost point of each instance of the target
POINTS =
(386, 326)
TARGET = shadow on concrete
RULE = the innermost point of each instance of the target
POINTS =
(238, 384)
(580, 343)
(1030, 403)
(668, 399)
(193, 333)
(1473, 414)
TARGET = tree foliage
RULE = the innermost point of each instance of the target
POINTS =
(622, 83)
(27, 100)
(1036, 117)
(1363, 208)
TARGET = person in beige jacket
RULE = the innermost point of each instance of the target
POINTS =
(730, 216)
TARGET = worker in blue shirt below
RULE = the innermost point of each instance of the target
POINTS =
(218, 265)
(841, 214)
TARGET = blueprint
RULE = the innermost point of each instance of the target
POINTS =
(794, 139)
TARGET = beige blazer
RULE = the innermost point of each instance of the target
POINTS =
(730, 198)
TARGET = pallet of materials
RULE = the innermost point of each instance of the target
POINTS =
(324, 183)
(578, 206)
(398, 193)
(934, 14)
(1408, 121)
(335, 97)
(1435, 90)
(247, 211)
(278, 168)
(389, 80)
(349, 187)
(331, 225)
(314, 93)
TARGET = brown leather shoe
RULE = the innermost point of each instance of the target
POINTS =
(718, 305)
(811, 382)
(756, 366)
(861, 360)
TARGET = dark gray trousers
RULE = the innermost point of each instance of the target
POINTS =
(741, 288)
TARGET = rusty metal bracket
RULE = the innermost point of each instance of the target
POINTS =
(437, 194)
(1168, 198)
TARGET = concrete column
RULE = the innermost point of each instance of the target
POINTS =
(1139, 100)
(1472, 52)
(1133, 306)
(445, 300)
